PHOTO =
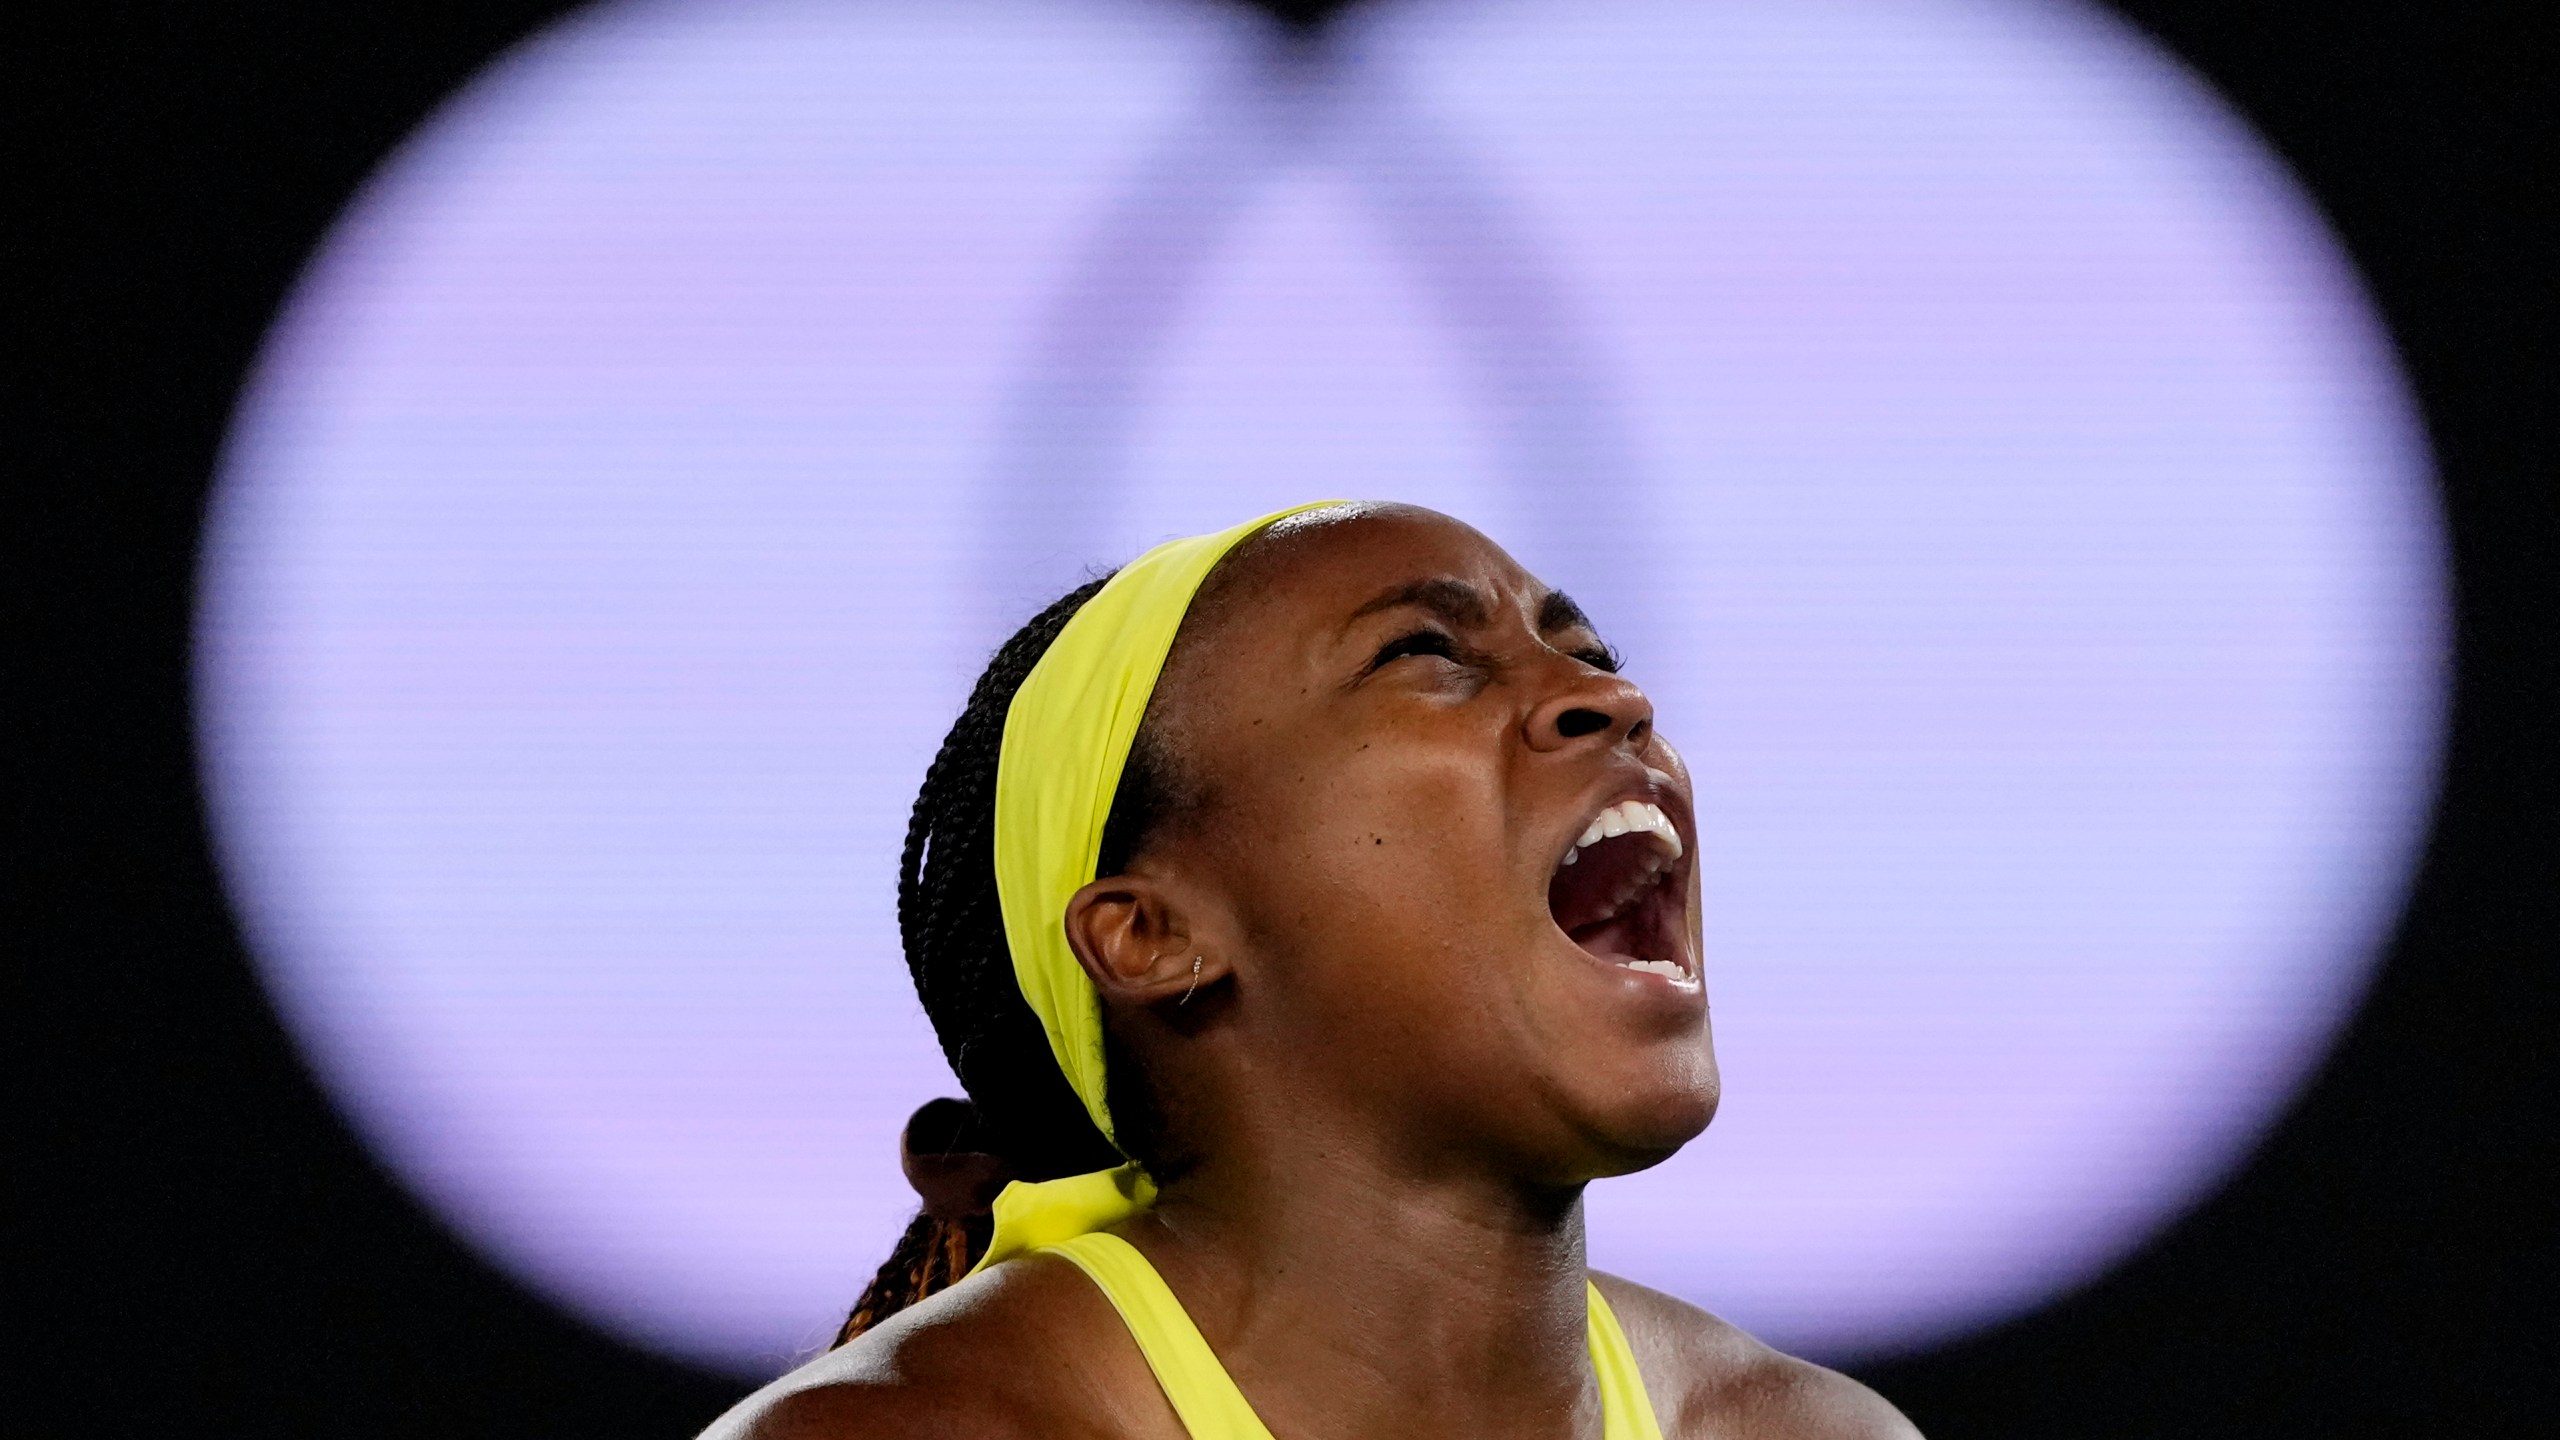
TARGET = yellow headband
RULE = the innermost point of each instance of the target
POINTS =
(1066, 739)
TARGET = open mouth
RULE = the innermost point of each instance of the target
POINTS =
(1617, 894)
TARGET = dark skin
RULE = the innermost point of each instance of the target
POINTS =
(1397, 1072)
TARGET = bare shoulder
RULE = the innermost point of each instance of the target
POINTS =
(1710, 1379)
(1029, 1348)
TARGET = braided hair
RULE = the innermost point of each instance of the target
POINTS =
(951, 926)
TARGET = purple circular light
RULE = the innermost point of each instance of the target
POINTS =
(1982, 453)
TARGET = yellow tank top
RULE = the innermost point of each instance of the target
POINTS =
(1211, 1406)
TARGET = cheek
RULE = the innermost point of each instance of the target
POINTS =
(1380, 895)
(1394, 847)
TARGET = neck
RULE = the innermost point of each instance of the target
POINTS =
(1349, 1295)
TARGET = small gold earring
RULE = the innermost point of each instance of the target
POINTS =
(1195, 983)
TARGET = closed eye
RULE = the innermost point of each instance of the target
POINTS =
(1420, 642)
(1601, 657)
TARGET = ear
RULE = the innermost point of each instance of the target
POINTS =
(1133, 938)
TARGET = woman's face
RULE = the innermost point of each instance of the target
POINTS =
(1402, 742)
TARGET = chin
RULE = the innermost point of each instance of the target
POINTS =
(1639, 1128)
(1660, 1133)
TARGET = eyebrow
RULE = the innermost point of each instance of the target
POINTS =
(1463, 605)
(1558, 612)
(1455, 601)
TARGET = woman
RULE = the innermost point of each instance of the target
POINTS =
(1313, 908)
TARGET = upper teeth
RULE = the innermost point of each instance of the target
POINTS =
(1629, 817)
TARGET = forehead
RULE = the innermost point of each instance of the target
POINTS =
(1323, 569)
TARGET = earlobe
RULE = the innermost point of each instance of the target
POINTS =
(1134, 941)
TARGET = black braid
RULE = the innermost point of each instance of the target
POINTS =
(952, 929)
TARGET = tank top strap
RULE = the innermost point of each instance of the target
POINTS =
(1626, 1411)
(1211, 1406)
(1206, 1398)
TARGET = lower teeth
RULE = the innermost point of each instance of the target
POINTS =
(1658, 967)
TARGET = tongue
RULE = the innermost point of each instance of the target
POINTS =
(1614, 937)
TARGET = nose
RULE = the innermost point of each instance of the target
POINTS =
(1593, 708)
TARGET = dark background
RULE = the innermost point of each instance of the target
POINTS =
(196, 1245)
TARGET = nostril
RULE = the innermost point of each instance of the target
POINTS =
(1639, 730)
(1574, 724)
